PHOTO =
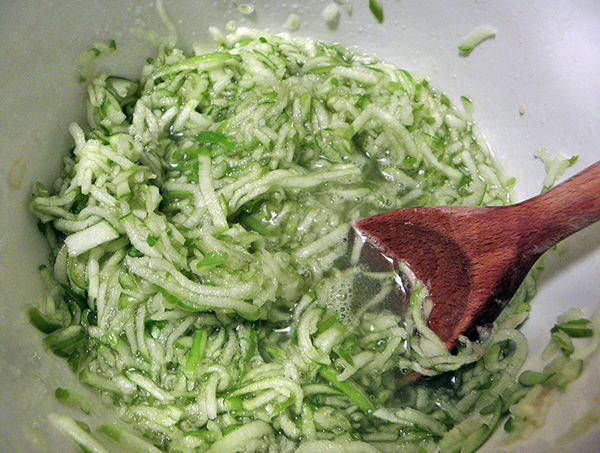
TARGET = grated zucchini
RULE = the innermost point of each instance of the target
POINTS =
(202, 280)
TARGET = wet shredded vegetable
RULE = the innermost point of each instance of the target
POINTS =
(197, 234)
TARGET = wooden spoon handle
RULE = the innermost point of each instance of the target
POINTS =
(560, 212)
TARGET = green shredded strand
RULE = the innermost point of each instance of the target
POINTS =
(79, 432)
(530, 378)
(197, 349)
(68, 397)
(353, 392)
(476, 37)
(129, 442)
(376, 7)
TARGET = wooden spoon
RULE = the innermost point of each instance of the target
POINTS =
(473, 258)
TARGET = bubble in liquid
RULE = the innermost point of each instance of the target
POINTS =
(340, 298)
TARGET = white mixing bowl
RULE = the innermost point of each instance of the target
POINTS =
(535, 85)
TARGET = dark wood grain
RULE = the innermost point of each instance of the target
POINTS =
(473, 259)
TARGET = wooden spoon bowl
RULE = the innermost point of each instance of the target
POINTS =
(473, 258)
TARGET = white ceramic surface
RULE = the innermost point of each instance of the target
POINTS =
(545, 59)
